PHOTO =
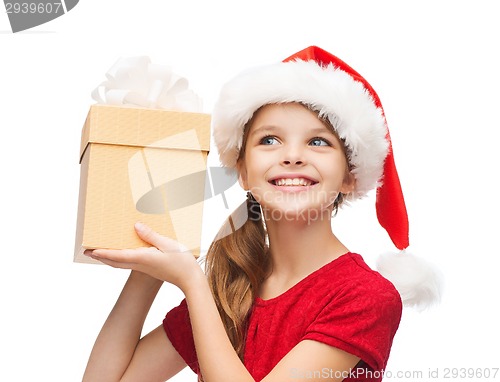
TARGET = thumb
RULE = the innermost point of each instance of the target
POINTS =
(161, 242)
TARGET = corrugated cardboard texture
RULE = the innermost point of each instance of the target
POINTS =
(133, 163)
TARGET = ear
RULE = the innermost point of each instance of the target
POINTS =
(349, 183)
(242, 174)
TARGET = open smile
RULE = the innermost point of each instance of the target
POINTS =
(296, 183)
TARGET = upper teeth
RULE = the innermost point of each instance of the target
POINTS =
(292, 182)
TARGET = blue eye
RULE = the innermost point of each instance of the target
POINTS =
(319, 142)
(268, 140)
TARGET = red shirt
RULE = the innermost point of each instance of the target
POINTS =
(344, 304)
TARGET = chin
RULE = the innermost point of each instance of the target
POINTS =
(305, 213)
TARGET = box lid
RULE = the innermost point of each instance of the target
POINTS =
(133, 126)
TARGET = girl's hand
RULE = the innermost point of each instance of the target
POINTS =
(166, 260)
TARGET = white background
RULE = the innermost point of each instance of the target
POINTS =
(433, 63)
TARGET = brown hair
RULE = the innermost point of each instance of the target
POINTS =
(238, 263)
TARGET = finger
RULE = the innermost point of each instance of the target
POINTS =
(126, 256)
(105, 256)
(161, 242)
(115, 264)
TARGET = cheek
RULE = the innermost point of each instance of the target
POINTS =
(255, 167)
(337, 174)
(253, 177)
(249, 172)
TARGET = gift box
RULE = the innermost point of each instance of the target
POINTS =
(141, 164)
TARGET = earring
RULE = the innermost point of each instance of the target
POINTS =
(253, 207)
(336, 204)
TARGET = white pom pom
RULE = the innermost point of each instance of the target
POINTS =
(418, 282)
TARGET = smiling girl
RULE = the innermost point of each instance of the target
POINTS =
(281, 298)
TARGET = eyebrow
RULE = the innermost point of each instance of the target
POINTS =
(324, 129)
(271, 128)
(263, 128)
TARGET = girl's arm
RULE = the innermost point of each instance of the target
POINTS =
(216, 356)
(118, 353)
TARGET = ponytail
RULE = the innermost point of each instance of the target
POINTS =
(237, 263)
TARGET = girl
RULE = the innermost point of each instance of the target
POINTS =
(281, 298)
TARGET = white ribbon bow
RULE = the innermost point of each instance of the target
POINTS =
(136, 81)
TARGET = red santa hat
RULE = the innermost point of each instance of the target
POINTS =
(340, 94)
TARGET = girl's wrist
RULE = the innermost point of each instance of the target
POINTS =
(144, 279)
(197, 281)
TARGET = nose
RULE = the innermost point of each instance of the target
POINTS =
(293, 155)
(290, 162)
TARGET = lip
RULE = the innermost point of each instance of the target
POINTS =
(292, 176)
(292, 188)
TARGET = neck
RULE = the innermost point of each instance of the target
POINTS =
(299, 247)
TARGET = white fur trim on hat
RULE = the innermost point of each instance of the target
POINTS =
(331, 92)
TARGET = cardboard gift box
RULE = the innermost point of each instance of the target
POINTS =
(145, 165)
